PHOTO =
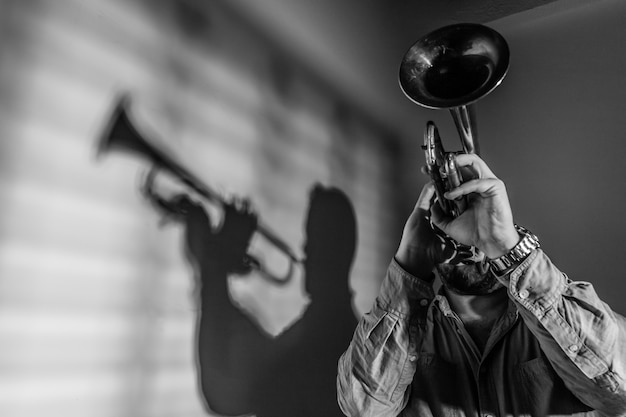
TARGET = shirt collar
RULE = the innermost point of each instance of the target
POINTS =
(442, 303)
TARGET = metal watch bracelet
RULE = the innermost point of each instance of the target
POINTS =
(528, 243)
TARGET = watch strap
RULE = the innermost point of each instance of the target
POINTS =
(528, 243)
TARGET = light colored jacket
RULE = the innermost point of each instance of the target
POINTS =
(559, 350)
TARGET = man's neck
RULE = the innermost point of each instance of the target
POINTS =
(479, 312)
(478, 307)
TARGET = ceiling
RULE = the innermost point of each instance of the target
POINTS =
(358, 44)
(409, 16)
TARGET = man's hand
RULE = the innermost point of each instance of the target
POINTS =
(487, 223)
(420, 248)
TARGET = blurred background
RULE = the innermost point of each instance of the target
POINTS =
(262, 99)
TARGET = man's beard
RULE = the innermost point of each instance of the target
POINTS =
(468, 279)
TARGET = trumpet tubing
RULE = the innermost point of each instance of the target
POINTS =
(451, 68)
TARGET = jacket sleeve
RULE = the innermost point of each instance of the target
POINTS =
(375, 372)
(584, 340)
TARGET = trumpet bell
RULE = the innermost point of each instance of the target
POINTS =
(454, 66)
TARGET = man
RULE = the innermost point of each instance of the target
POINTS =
(507, 334)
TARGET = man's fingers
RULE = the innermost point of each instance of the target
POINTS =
(484, 187)
(477, 165)
(426, 196)
(438, 216)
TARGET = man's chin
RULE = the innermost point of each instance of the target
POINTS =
(468, 279)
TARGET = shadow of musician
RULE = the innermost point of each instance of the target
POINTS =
(242, 369)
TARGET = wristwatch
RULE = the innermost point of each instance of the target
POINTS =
(528, 243)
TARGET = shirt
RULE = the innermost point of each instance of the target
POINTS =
(558, 350)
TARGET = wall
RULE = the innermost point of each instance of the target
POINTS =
(357, 43)
(554, 131)
(97, 303)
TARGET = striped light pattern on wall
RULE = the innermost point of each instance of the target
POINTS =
(97, 306)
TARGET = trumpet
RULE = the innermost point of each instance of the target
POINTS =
(451, 68)
(121, 134)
